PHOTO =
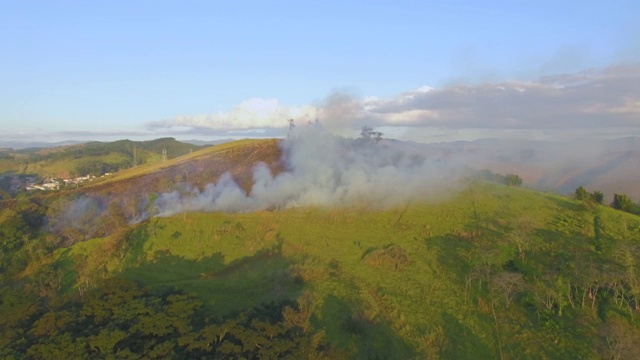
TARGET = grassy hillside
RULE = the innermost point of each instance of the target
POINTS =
(489, 271)
(415, 280)
(492, 272)
(91, 158)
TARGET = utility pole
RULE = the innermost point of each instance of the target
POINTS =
(292, 126)
(164, 154)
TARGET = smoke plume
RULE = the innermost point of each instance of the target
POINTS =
(323, 170)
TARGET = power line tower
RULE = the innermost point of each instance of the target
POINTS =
(164, 154)
(292, 126)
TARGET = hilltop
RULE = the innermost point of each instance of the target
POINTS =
(91, 157)
(471, 270)
(607, 165)
(78, 162)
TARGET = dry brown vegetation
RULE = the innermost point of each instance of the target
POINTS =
(197, 169)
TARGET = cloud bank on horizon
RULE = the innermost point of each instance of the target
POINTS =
(592, 102)
(595, 103)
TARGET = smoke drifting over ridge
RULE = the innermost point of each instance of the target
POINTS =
(323, 170)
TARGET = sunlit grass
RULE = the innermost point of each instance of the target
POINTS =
(237, 261)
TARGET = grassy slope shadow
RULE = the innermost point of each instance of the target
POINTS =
(348, 328)
(251, 281)
(462, 343)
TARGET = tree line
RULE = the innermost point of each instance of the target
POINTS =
(620, 201)
(508, 179)
(121, 319)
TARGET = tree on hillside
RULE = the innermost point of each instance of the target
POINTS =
(628, 255)
(618, 340)
(14, 233)
(582, 194)
(597, 196)
(507, 285)
(523, 236)
(317, 125)
(368, 133)
(513, 180)
(624, 203)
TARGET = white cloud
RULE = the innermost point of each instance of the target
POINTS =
(254, 113)
(589, 101)
(424, 89)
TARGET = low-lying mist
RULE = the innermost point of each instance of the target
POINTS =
(324, 170)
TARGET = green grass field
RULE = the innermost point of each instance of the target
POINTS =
(415, 281)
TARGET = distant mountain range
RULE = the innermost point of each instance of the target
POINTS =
(18, 145)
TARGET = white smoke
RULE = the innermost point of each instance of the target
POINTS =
(323, 170)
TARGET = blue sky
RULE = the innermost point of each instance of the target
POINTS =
(190, 69)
